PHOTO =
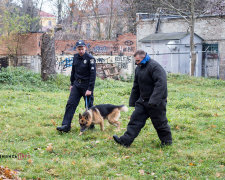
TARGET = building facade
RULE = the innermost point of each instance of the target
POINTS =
(209, 28)
(47, 21)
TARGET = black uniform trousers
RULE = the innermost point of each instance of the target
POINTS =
(76, 93)
(138, 119)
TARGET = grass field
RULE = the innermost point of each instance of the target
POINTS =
(31, 109)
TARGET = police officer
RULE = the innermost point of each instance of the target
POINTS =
(82, 79)
(149, 97)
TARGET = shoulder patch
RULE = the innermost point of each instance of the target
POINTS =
(92, 61)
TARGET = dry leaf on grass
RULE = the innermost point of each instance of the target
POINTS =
(6, 173)
(141, 172)
(30, 161)
(49, 148)
(216, 115)
(53, 122)
(218, 174)
(192, 164)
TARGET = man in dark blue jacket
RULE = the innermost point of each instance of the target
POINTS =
(149, 97)
(82, 79)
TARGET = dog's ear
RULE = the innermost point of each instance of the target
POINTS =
(86, 117)
(80, 116)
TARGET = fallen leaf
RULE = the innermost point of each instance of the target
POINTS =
(30, 161)
(49, 148)
(141, 172)
(177, 127)
(217, 174)
(53, 122)
(127, 157)
(213, 126)
(192, 164)
(6, 173)
(73, 163)
(216, 115)
(109, 138)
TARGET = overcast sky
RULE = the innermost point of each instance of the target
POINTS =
(48, 7)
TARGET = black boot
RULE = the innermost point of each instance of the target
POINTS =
(63, 128)
(167, 143)
(118, 140)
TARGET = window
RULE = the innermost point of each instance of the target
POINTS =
(50, 23)
(210, 48)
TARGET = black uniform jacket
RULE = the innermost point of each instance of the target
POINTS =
(84, 70)
(150, 84)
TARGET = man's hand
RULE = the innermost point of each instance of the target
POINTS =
(71, 88)
(88, 93)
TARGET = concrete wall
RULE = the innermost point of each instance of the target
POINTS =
(124, 63)
(30, 62)
(211, 29)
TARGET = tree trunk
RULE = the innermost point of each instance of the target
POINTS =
(72, 14)
(15, 61)
(59, 11)
(110, 21)
(48, 61)
(192, 43)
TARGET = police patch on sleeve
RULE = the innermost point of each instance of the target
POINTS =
(85, 61)
(92, 61)
(92, 68)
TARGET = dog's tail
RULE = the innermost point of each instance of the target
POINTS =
(123, 108)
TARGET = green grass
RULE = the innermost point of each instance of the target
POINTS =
(29, 109)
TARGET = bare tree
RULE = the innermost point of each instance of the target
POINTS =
(132, 7)
(30, 8)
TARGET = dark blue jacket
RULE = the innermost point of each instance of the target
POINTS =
(84, 69)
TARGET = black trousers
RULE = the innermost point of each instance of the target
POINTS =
(138, 119)
(75, 95)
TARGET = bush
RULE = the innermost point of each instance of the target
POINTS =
(20, 78)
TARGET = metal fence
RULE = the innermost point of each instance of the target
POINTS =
(207, 63)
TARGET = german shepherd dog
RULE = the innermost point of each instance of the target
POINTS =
(97, 114)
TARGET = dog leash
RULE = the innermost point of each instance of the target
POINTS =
(86, 103)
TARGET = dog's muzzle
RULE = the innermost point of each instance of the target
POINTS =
(83, 128)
